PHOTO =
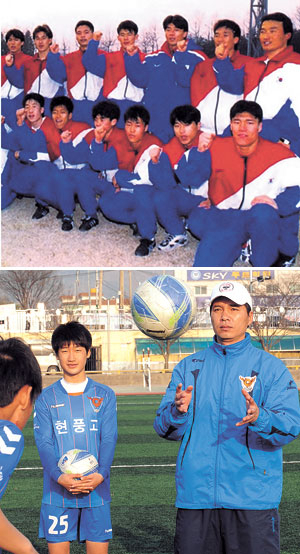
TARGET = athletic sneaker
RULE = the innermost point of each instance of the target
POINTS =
(67, 223)
(246, 252)
(173, 241)
(284, 261)
(145, 247)
(88, 222)
(40, 211)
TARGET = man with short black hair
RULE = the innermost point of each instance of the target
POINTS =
(12, 95)
(176, 195)
(83, 87)
(33, 74)
(233, 407)
(213, 101)
(161, 73)
(272, 80)
(111, 67)
(132, 199)
(32, 145)
(253, 191)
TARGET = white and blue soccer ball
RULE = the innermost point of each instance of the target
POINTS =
(163, 307)
(78, 461)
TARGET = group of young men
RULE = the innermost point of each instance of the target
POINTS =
(172, 137)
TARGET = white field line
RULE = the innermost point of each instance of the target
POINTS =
(137, 465)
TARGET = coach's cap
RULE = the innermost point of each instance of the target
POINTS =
(234, 291)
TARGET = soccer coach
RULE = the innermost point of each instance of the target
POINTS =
(233, 407)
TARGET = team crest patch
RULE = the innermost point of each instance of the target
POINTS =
(248, 383)
(96, 402)
(225, 287)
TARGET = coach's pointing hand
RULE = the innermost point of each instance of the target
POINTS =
(183, 398)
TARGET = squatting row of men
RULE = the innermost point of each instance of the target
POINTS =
(121, 132)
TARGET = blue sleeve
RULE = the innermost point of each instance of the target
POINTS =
(99, 159)
(288, 200)
(229, 79)
(279, 414)
(56, 68)
(9, 138)
(92, 61)
(194, 168)
(124, 178)
(11, 450)
(161, 174)
(44, 437)
(15, 76)
(75, 154)
(136, 70)
(108, 435)
(169, 423)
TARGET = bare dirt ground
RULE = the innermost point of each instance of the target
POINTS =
(28, 243)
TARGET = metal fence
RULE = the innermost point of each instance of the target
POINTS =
(37, 321)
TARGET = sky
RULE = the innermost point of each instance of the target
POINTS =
(63, 16)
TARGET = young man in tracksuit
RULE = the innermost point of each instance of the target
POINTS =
(12, 96)
(32, 146)
(111, 67)
(33, 75)
(253, 191)
(96, 154)
(161, 72)
(272, 80)
(83, 87)
(233, 407)
(214, 102)
(131, 198)
(176, 195)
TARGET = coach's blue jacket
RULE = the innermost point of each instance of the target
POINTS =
(220, 465)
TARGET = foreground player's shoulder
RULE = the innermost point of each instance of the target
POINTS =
(11, 447)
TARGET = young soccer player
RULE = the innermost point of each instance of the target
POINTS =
(32, 144)
(84, 88)
(20, 383)
(12, 95)
(132, 200)
(33, 75)
(75, 412)
(111, 67)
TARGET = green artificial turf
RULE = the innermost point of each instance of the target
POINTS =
(143, 492)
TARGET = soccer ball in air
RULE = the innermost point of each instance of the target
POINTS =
(78, 461)
(163, 307)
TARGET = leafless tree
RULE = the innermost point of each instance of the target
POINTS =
(277, 314)
(149, 40)
(29, 287)
(108, 41)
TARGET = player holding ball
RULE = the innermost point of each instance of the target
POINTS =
(75, 413)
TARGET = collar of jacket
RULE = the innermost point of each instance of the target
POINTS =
(232, 349)
(279, 57)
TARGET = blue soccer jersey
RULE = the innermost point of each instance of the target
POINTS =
(11, 450)
(87, 421)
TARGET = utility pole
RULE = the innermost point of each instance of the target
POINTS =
(258, 8)
(121, 297)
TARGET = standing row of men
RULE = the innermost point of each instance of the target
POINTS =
(164, 90)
